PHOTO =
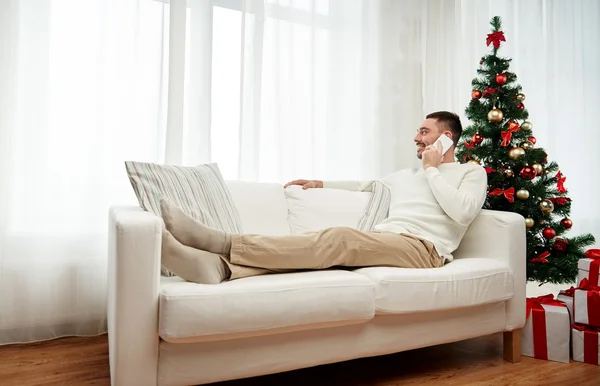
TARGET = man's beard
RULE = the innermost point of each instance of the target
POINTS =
(420, 150)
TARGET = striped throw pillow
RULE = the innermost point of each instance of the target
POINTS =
(377, 209)
(199, 191)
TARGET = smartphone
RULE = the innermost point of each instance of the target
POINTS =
(446, 143)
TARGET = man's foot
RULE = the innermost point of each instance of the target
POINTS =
(193, 233)
(192, 264)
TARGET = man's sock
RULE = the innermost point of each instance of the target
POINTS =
(192, 264)
(193, 233)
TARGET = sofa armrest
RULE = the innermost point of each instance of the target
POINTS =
(501, 235)
(133, 287)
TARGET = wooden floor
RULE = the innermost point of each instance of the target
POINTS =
(84, 361)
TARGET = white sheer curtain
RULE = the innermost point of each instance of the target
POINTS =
(270, 90)
(297, 96)
(83, 88)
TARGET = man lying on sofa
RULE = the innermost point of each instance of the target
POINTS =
(431, 208)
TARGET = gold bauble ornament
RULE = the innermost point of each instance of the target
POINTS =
(508, 172)
(495, 115)
(538, 168)
(527, 145)
(546, 206)
(516, 152)
(521, 97)
(522, 194)
(474, 162)
(529, 222)
(527, 126)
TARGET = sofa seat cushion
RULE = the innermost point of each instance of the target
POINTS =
(460, 283)
(262, 305)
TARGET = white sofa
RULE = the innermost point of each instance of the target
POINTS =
(165, 331)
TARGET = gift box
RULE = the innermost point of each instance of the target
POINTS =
(586, 304)
(585, 344)
(589, 267)
(547, 330)
(566, 296)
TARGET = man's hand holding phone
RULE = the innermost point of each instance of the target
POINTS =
(433, 154)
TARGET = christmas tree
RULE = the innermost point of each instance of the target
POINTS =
(499, 137)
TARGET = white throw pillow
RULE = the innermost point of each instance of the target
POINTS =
(316, 209)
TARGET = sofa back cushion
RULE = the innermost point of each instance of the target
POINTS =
(262, 207)
(315, 209)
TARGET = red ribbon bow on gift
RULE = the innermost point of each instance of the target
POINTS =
(588, 285)
(594, 254)
(590, 343)
(508, 193)
(561, 182)
(496, 38)
(534, 307)
(570, 292)
(536, 303)
(593, 301)
(507, 135)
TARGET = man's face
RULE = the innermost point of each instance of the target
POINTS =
(427, 134)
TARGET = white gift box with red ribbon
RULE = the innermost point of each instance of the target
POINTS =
(586, 344)
(566, 296)
(589, 268)
(586, 304)
(547, 330)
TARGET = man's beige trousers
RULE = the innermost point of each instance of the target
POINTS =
(253, 255)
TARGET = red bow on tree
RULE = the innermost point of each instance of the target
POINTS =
(542, 258)
(508, 193)
(489, 91)
(496, 38)
(561, 182)
(559, 201)
(489, 170)
(469, 145)
(507, 135)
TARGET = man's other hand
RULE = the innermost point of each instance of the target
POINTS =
(432, 156)
(306, 184)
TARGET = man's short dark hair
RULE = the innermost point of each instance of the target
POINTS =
(451, 121)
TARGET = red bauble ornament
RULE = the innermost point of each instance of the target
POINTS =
(549, 233)
(528, 173)
(476, 94)
(567, 223)
(532, 139)
(480, 62)
(477, 138)
(520, 106)
(501, 79)
(560, 245)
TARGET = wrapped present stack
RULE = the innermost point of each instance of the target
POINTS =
(573, 316)
(586, 310)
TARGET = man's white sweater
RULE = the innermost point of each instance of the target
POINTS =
(437, 204)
